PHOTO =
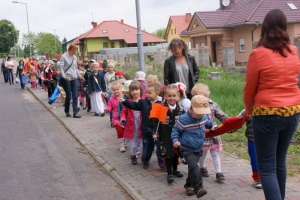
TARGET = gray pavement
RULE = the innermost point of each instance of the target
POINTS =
(40, 159)
(100, 140)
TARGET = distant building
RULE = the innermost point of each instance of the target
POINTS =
(177, 28)
(239, 22)
(111, 34)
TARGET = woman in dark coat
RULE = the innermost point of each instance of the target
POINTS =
(181, 66)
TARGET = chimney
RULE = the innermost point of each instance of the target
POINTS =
(188, 17)
(122, 21)
(94, 24)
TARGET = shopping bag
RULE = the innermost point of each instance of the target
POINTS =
(25, 79)
(17, 80)
(54, 95)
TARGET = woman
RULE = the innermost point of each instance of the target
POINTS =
(272, 97)
(4, 70)
(181, 66)
(20, 71)
(10, 66)
(70, 75)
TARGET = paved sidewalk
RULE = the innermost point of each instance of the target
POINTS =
(100, 139)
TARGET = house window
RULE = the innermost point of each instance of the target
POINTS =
(242, 45)
(121, 44)
(126, 30)
(175, 31)
(171, 31)
(105, 45)
(292, 6)
(196, 46)
(104, 31)
(112, 44)
(202, 44)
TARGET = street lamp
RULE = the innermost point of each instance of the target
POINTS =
(27, 25)
(139, 37)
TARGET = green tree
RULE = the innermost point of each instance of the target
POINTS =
(47, 43)
(27, 38)
(26, 50)
(8, 36)
(160, 32)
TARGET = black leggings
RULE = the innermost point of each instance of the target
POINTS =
(171, 164)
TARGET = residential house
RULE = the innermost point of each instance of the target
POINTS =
(177, 28)
(111, 34)
(239, 22)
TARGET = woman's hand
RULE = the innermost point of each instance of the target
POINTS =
(67, 79)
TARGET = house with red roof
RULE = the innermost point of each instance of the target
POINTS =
(111, 34)
(177, 27)
(239, 22)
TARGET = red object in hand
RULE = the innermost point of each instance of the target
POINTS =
(230, 124)
(120, 130)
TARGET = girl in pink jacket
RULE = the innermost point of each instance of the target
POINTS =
(133, 132)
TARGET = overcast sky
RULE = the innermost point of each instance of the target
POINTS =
(70, 18)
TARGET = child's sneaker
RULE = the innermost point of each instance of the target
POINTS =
(257, 184)
(204, 172)
(122, 150)
(170, 178)
(133, 160)
(201, 192)
(220, 177)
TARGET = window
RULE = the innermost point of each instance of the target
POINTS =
(105, 45)
(121, 44)
(202, 44)
(292, 6)
(126, 30)
(171, 31)
(112, 44)
(196, 46)
(175, 31)
(104, 31)
(242, 45)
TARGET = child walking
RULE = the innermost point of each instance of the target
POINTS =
(213, 145)
(81, 89)
(145, 105)
(96, 88)
(140, 76)
(115, 108)
(188, 133)
(163, 134)
(33, 76)
(133, 131)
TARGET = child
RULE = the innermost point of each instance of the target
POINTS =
(56, 92)
(109, 74)
(152, 79)
(251, 151)
(163, 133)
(188, 133)
(96, 88)
(33, 76)
(81, 89)
(140, 77)
(214, 145)
(86, 86)
(145, 105)
(115, 108)
(133, 132)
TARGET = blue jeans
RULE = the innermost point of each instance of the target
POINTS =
(148, 146)
(10, 76)
(71, 88)
(21, 82)
(5, 76)
(272, 137)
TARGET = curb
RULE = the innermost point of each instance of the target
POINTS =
(110, 170)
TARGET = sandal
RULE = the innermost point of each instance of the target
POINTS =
(76, 116)
(201, 192)
(190, 191)
(68, 115)
(146, 166)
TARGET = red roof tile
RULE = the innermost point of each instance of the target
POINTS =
(248, 11)
(115, 30)
(180, 23)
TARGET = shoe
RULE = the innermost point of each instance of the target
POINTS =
(122, 150)
(178, 174)
(204, 172)
(190, 191)
(201, 192)
(88, 110)
(170, 178)
(133, 160)
(68, 115)
(257, 184)
(50, 102)
(102, 115)
(220, 177)
(76, 116)
(84, 108)
(146, 165)
(96, 114)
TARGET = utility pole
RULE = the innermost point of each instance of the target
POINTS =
(139, 37)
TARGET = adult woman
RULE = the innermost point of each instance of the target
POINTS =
(10, 66)
(20, 71)
(272, 97)
(4, 70)
(181, 66)
(70, 75)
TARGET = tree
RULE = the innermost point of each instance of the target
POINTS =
(25, 42)
(8, 36)
(47, 43)
(160, 32)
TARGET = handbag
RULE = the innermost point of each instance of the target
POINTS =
(25, 79)
(17, 80)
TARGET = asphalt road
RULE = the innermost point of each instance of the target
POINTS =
(39, 159)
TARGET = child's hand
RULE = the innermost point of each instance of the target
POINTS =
(214, 127)
(154, 136)
(106, 110)
(121, 100)
(84, 89)
(176, 144)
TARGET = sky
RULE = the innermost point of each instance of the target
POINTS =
(70, 18)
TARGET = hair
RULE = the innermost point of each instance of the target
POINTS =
(21, 61)
(200, 89)
(172, 87)
(155, 86)
(177, 43)
(55, 68)
(72, 47)
(115, 84)
(274, 33)
(111, 63)
(154, 77)
(135, 85)
(126, 76)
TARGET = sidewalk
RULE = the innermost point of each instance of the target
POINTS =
(100, 140)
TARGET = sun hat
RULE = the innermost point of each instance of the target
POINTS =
(140, 76)
(126, 84)
(118, 73)
(200, 104)
(92, 61)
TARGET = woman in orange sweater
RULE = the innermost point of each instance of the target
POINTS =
(272, 97)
